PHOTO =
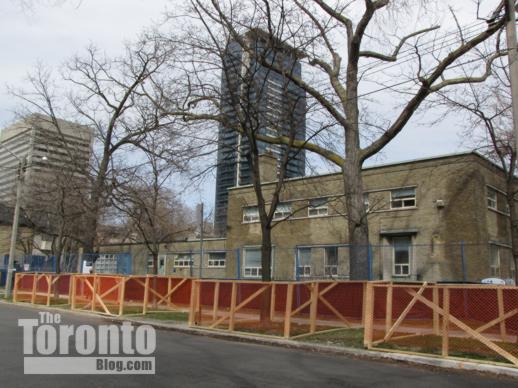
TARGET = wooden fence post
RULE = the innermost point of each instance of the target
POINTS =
(435, 296)
(313, 307)
(287, 312)
(198, 304)
(169, 286)
(364, 295)
(70, 285)
(34, 287)
(73, 301)
(48, 278)
(369, 315)
(122, 289)
(445, 321)
(388, 308)
(15, 286)
(94, 291)
(501, 312)
(272, 301)
(192, 307)
(146, 295)
(215, 304)
(233, 298)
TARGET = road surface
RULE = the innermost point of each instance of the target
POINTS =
(188, 361)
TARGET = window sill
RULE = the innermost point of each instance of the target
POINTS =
(394, 209)
(498, 211)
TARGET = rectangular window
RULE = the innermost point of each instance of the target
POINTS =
(183, 260)
(402, 253)
(495, 260)
(331, 261)
(217, 260)
(492, 198)
(317, 207)
(282, 211)
(402, 198)
(252, 263)
(304, 262)
(250, 214)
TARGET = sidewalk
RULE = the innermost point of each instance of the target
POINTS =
(300, 345)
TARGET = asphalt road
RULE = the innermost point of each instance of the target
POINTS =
(187, 360)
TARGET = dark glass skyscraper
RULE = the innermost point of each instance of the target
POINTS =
(264, 101)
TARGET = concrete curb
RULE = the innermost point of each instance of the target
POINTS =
(436, 362)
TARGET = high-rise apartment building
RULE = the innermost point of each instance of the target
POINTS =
(46, 152)
(266, 102)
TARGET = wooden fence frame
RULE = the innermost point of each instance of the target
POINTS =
(163, 299)
(50, 278)
(316, 296)
(96, 296)
(438, 314)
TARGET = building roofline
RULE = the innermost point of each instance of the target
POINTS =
(386, 165)
(164, 242)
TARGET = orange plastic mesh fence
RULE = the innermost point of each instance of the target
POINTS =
(471, 321)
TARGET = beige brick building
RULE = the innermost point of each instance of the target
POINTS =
(441, 218)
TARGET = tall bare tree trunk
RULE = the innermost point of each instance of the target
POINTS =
(266, 264)
(358, 228)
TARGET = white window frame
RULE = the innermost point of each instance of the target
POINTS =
(408, 265)
(250, 214)
(319, 210)
(304, 270)
(331, 269)
(217, 263)
(408, 201)
(495, 265)
(492, 203)
(255, 272)
(181, 262)
(282, 211)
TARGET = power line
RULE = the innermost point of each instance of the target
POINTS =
(429, 42)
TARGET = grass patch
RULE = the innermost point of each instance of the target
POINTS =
(351, 338)
(275, 328)
(458, 347)
(176, 316)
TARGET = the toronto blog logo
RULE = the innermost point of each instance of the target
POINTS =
(51, 347)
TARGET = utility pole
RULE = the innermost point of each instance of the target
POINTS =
(14, 228)
(510, 15)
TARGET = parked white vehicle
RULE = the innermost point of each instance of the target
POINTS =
(497, 281)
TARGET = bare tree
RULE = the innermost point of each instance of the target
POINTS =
(252, 103)
(153, 213)
(107, 95)
(331, 39)
(489, 129)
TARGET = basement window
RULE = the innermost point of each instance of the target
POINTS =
(252, 263)
(494, 251)
(402, 198)
(331, 261)
(183, 261)
(217, 260)
(304, 262)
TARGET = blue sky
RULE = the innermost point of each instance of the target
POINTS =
(51, 34)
